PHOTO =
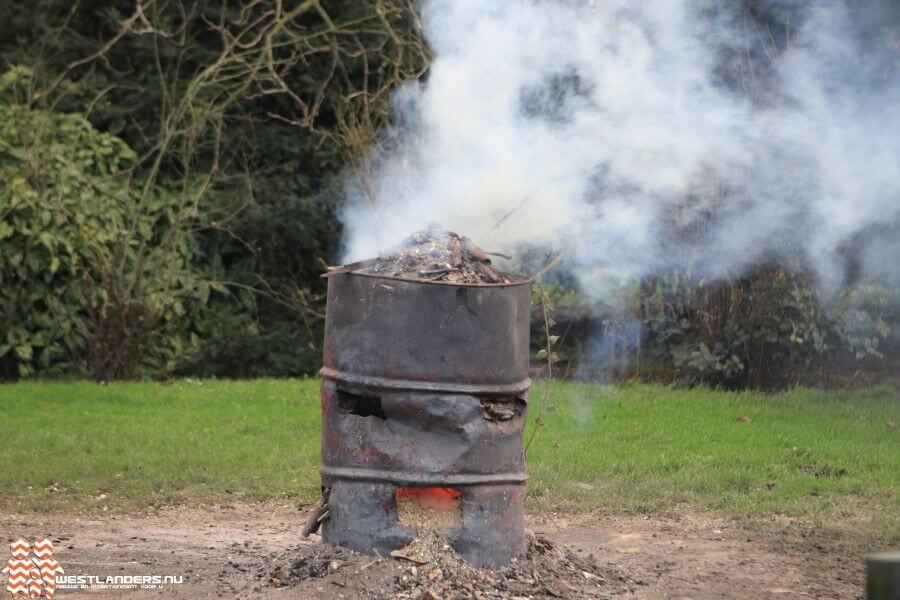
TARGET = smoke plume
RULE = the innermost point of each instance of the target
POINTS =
(629, 137)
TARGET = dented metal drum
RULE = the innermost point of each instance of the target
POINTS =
(424, 395)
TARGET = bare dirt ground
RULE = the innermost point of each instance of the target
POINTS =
(231, 551)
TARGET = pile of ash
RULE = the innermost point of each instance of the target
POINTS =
(310, 562)
(429, 569)
(433, 254)
(544, 571)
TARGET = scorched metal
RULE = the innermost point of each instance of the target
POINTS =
(424, 395)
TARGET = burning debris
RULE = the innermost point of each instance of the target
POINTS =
(432, 254)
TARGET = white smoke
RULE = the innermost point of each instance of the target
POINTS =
(634, 136)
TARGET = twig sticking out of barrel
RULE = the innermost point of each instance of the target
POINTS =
(318, 516)
(473, 250)
(354, 266)
(490, 274)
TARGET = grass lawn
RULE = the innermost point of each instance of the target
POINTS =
(626, 449)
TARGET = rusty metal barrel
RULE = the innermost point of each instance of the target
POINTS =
(424, 395)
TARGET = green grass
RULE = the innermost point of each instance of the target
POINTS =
(146, 444)
(632, 448)
(641, 448)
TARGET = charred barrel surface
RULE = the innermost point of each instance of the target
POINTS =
(427, 335)
(423, 404)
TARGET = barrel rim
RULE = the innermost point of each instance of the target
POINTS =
(526, 281)
(514, 388)
(408, 478)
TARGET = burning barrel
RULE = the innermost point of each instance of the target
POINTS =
(424, 393)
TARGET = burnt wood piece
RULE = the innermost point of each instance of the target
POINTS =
(473, 250)
(319, 515)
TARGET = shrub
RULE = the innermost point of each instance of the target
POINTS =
(762, 330)
(95, 269)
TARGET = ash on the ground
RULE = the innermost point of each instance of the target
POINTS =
(429, 569)
(433, 254)
(309, 563)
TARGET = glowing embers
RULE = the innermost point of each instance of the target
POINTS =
(429, 507)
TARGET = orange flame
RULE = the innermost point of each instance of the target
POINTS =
(440, 498)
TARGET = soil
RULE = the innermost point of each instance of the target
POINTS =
(255, 550)
(433, 254)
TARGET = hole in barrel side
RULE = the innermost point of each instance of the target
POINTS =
(360, 405)
(499, 409)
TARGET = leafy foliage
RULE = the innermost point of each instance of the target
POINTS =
(94, 276)
(764, 329)
(767, 329)
(246, 113)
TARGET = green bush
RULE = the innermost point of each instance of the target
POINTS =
(765, 329)
(266, 103)
(96, 270)
(270, 324)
